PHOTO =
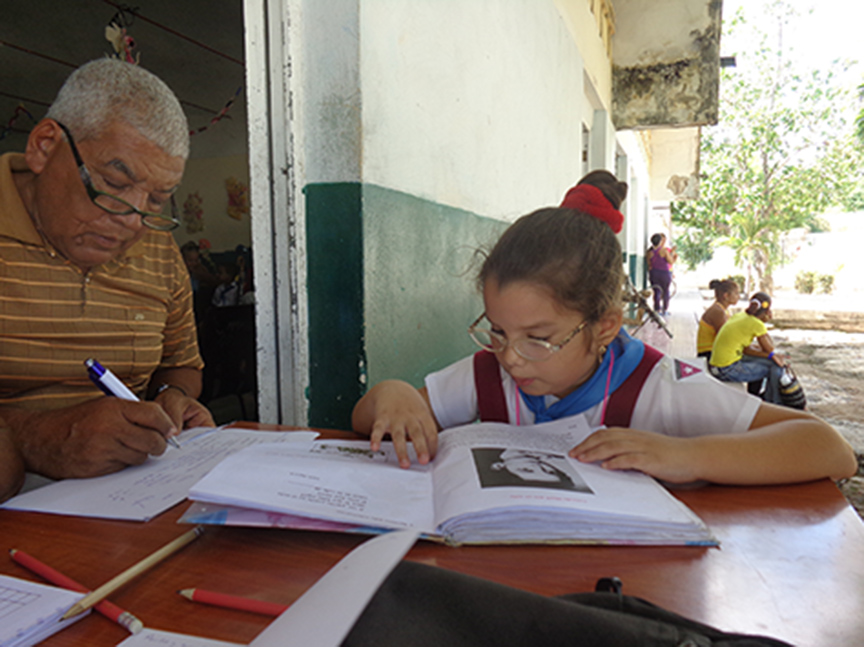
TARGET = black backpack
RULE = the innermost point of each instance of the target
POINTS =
(425, 606)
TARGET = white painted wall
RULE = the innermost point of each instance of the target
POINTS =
(475, 104)
(327, 103)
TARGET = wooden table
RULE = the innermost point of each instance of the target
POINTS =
(790, 565)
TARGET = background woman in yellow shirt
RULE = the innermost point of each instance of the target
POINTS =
(734, 360)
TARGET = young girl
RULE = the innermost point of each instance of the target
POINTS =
(726, 293)
(735, 360)
(660, 260)
(551, 288)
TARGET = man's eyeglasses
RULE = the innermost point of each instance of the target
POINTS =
(118, 206)
(534, 350)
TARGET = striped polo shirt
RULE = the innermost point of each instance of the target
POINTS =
(134, 314)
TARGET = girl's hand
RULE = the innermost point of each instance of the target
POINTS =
(398, 410)
(618, 448)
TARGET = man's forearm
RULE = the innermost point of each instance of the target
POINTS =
(11, 466)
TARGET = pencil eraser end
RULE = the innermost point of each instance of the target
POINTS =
(134, 625)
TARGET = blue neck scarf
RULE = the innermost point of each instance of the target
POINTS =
(628, 353)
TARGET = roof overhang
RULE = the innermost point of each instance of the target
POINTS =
(665, 80)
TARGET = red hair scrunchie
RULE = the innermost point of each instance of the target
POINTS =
(590, 200)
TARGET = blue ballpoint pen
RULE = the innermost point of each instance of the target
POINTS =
(110, 384)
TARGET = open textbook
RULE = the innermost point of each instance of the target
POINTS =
(489, 483)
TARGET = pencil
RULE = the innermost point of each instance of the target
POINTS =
(233, 602)
(133, 571)
(106, 607)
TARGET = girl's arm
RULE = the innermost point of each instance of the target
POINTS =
(766, 345)
(782, 446)
(397, 409)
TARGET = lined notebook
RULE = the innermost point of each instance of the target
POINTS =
(30, 612)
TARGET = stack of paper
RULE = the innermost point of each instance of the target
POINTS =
(489, 483)
(31, 612)
(141, 492)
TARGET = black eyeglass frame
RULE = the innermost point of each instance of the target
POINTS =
(150, 219)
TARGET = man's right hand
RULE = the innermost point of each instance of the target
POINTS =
(90, 439)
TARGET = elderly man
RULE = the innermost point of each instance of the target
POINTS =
(88, 269)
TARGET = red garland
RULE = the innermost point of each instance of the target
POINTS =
(220, 115)
(18, 112)
(590, 200)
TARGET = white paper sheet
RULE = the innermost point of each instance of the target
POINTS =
(141, 492)
(324, 615)
(156, 638)
(30, 612)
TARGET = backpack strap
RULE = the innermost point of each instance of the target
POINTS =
(491, 403)
(623, 399)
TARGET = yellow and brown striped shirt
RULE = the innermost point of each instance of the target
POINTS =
(134, 314)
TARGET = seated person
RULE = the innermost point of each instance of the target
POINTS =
(92, 270)
(733, 359)
(200, 273)
(228, 291)
(551, 290)
(726, 294)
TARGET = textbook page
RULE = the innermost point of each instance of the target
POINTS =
(341, 481)
(30, 612)
(526, 471)
(140, 492)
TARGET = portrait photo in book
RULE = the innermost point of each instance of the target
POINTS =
(507, 467)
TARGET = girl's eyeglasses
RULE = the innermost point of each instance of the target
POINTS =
(534, 350)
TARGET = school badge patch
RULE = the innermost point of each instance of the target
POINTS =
(684, 370)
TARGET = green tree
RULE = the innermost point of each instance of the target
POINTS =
(859, 120)
(782, 153)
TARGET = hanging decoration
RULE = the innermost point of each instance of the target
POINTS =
(116, 34)
(238, 198)
(20, 110)
(220, 115)
(122, 44)
(193, 214)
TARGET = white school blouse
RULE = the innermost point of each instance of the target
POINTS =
(679, 398)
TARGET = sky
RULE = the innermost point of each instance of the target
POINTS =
(834, 30)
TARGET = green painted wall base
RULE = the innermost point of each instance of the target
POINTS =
(390, 288)
(334, 265)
